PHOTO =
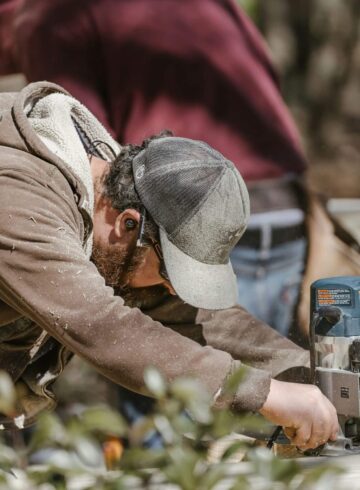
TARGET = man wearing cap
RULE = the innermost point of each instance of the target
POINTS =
(159, 221)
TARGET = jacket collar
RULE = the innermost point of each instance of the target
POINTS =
(45, 116)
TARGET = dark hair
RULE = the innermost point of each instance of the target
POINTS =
(119, 186)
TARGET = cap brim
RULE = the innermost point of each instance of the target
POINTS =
(212, 287)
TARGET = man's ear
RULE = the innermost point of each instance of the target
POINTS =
(127, 224)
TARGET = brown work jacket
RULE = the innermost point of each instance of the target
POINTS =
(53, 301)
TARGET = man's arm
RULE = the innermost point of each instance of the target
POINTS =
(307, 415)
(237, 332)
(247, 338)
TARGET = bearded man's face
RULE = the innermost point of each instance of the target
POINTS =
(126, 269)
(116, 263)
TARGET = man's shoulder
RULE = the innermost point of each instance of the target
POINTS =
(20, 168)
(16, 159)
(7, 99)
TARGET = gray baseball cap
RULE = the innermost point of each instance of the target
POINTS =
(201, 205)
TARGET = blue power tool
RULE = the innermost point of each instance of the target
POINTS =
(335, 354)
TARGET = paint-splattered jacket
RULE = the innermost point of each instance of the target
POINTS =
(53, 301)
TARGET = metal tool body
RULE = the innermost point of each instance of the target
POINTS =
(335, 354)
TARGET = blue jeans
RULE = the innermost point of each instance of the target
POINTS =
(269, 281)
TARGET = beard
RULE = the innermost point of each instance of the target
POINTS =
(116, 264)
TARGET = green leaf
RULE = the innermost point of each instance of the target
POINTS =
(58, 461)
(233, 382)
(50, 432)
(233, 449)
(164, 427)
(189, 391)
(140, 430)
(140, 458)
(272, 468)
(211, 477)
(195, 399)
(251, 7)
(223, 424)
(8, 458)
(155, 382)
(89, 452)
(182, 470)
(7, 394)
(314, 475)
(103, 420)
(242, 483)
(183, 424)
(226, 422)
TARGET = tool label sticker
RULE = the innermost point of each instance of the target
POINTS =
(336, 297)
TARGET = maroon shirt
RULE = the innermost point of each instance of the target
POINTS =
(197, 67)
(7, 64)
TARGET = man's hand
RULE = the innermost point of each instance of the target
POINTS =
(308, 417)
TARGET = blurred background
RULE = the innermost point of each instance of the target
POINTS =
(315, 46)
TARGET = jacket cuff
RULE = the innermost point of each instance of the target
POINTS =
(252, 392)
(296, 374)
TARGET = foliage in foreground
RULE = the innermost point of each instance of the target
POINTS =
(95, 449)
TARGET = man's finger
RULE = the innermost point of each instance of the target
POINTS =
(334, 432)
(320, 434)
(290, 432)
(302, 435)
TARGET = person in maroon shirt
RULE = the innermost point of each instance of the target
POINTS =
(201, 69)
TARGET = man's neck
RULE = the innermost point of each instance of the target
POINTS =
(98, 169)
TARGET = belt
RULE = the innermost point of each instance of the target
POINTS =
(272, 194)
(255, 237)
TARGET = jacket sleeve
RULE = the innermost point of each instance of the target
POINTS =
(46, 276)
(233, 330)
(244, 337)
